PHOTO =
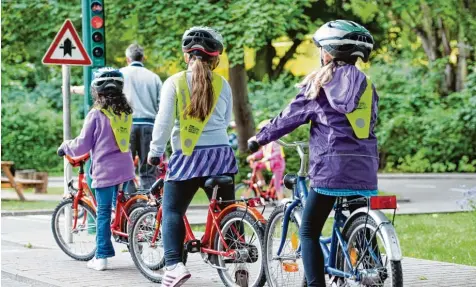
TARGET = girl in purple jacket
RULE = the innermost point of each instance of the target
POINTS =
(341, 104)
(105, 135)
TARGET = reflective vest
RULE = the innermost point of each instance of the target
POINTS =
(191, 128)
(360, 118)
(121, 127)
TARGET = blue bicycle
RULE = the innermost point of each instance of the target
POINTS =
(363, 249)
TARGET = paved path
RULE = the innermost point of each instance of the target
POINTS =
(45, 265)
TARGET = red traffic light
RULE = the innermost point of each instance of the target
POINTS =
(97, 22)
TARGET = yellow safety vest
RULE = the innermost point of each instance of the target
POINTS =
(360, 118)
(191, 128)
(121, 127)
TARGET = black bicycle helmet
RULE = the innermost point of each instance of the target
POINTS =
(107, 79)
(345, 40)
(202, 39)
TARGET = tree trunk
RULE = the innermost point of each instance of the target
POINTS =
(462, 68)
(263, 62)
(245, 126)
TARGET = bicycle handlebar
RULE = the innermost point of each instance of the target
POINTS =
(293, 144)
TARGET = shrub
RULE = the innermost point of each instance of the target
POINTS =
(31, 134)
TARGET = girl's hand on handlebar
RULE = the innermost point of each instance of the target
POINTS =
(60, 152)
(253, 145)
(155, 160)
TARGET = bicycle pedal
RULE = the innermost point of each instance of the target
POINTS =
(193, 246)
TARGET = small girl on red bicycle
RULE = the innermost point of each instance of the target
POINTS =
(105, 135)
(271, 157)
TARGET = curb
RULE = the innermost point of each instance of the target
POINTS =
(26, 212)
(22, 277)
(191, 207)
(427, 176)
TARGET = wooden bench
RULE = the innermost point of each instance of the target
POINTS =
(37, 184)
(19, 184)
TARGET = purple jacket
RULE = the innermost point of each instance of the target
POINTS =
(338, 159)
(110, 166)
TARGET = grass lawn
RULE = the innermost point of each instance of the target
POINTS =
(28, 205)
(441, 237)
(51, 190)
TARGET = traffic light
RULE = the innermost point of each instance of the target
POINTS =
(98, 35)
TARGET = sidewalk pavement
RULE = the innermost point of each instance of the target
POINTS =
(50, 267)
(44, 264)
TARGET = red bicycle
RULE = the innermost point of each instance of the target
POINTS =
(231, 243)
(250, 187)
(74, 219)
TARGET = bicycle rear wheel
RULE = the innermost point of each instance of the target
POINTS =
(80, 243)
(243, 234)
(243, 190)
(369, 256)
(288, 269)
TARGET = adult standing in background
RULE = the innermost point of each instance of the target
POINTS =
(142, 90)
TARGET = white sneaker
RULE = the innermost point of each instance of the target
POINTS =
(241, 275)
(175, 275)
(98, 264)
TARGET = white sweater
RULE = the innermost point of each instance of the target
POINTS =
(142, 90)
(167, 122)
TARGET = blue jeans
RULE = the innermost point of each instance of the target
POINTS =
(106, 199)
(177, 198)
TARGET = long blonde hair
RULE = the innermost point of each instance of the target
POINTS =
(318, 78)
(202, 98)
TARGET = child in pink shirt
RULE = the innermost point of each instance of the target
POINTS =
(271, 157)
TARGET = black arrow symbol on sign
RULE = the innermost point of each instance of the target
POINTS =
(67, 47)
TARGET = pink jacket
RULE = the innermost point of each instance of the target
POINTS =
(274, 153)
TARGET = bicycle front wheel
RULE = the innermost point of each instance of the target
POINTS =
(244, 235)
(78, 243)
(287, 269)
(148, 257)
(369, 256)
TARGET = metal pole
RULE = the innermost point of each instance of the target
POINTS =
(66, 70)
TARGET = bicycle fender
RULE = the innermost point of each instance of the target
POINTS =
(230, 208)
(389, 235)
(89, 203)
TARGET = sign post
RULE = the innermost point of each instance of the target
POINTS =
(65, 50)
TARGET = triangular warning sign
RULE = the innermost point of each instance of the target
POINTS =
(67, 48)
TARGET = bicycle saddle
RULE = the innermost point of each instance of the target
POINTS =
(221, 181)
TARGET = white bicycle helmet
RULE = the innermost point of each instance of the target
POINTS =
(204, 39)
(345, 40)
(107, 79)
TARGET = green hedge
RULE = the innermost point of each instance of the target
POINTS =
(31, 134)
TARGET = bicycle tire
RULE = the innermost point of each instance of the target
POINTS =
(240, 187)
(55, 230)
(258, 228)
(350, 229)
(276, 218)
(132, 211)
(146, 269)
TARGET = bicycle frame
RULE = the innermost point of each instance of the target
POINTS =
(212, 227)
(252, 182)
(84, 194)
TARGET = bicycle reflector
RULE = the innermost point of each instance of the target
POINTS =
(290, 267)
(383, 202)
